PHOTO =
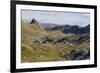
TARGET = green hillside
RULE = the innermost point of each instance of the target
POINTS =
(30, 31)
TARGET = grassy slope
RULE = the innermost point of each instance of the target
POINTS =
(29, 31)
(50, 53)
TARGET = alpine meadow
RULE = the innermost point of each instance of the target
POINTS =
(54, 36)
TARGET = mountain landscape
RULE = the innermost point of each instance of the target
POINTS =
(42, 42)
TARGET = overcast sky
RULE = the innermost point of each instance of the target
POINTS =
(71, 18)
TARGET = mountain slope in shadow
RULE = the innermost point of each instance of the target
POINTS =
(73, 29)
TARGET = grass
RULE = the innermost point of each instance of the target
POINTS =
(32, 29)
(50, 53)
(30, 54)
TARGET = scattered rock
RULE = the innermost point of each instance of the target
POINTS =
(79, 55)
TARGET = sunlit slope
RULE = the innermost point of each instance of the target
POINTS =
(30, 31)
(33, 29)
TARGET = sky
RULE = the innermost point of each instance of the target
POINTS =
(57, 17)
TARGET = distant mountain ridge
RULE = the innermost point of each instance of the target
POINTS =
(73, 29)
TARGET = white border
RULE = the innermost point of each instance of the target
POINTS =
(20, 65)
